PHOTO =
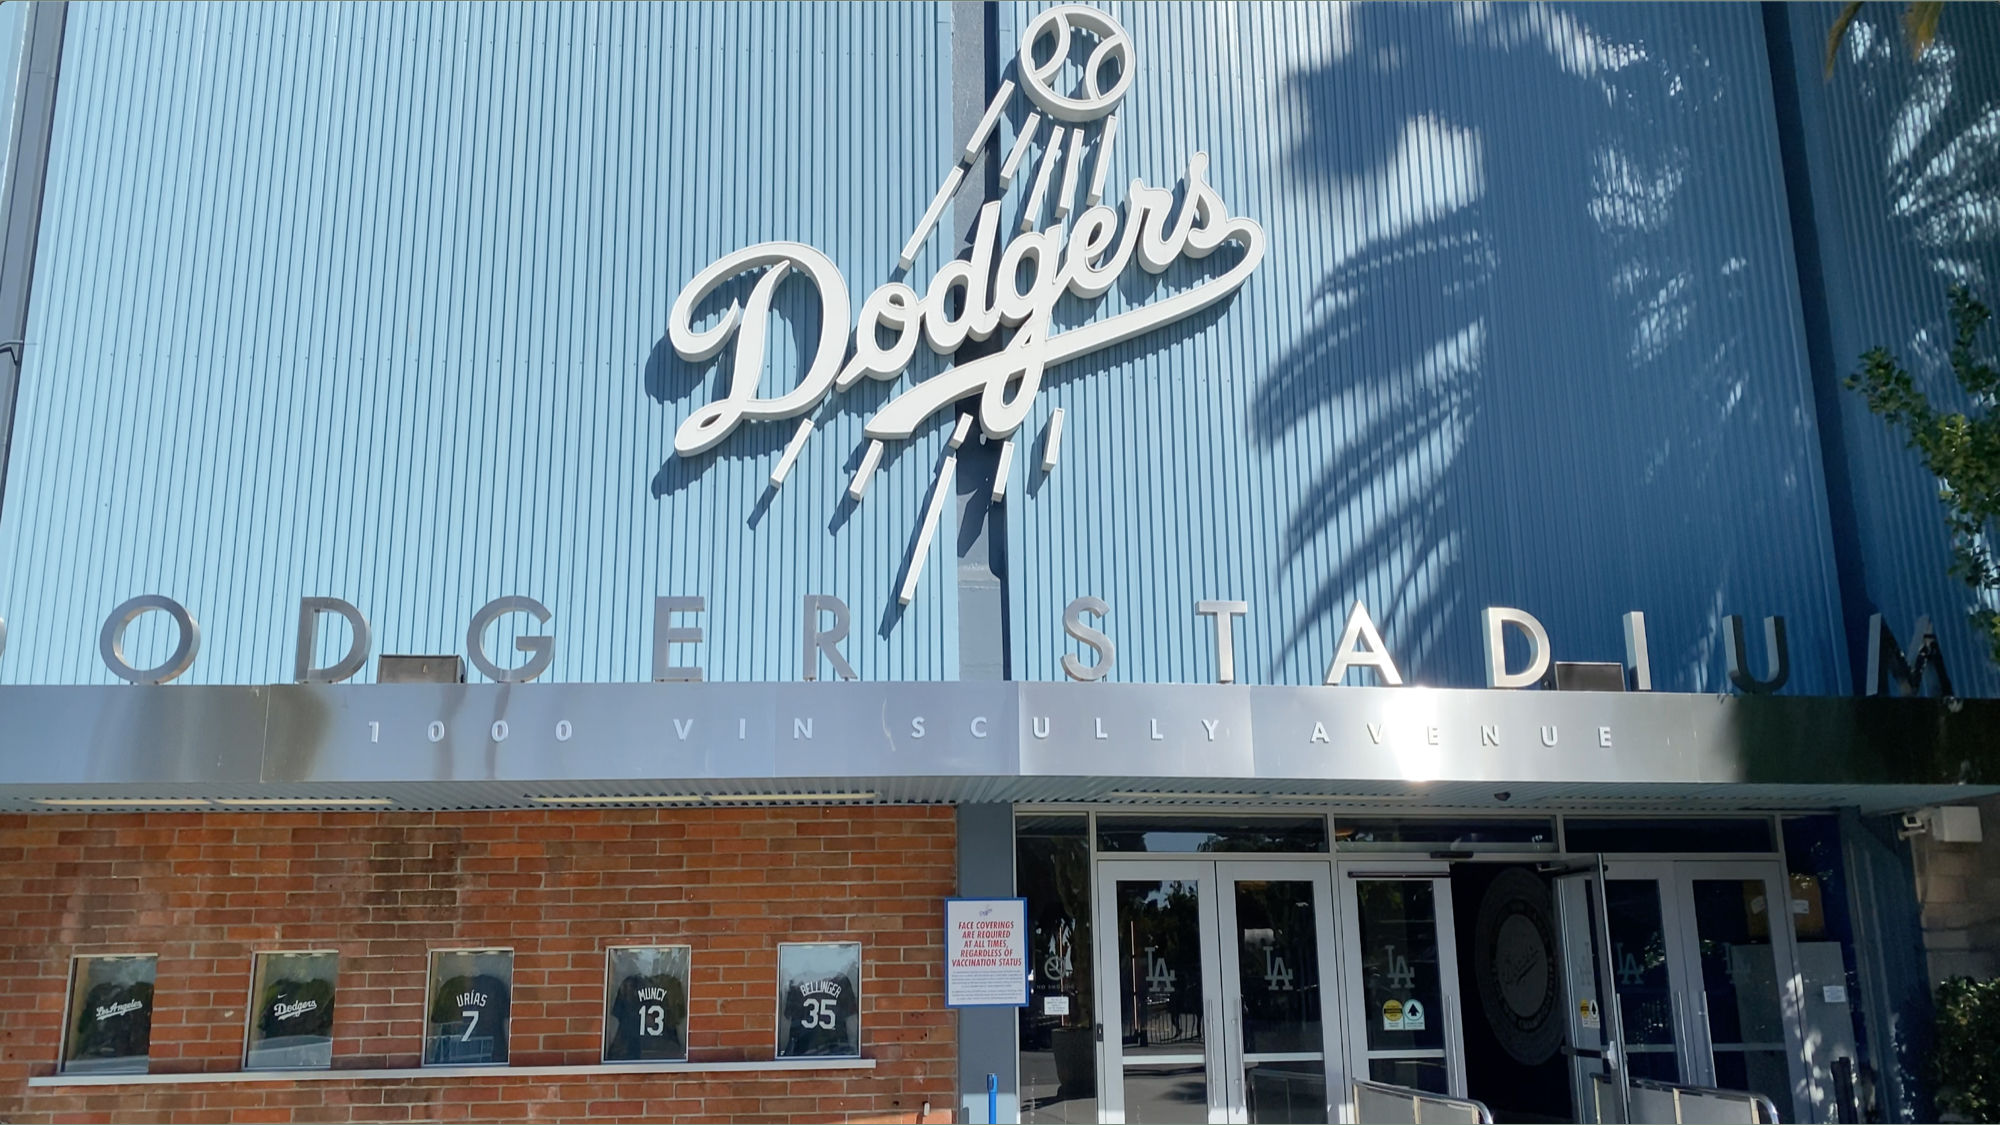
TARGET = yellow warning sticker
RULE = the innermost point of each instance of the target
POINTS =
(1392, 1015)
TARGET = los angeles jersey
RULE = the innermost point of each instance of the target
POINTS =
(469, 1021)
(646, 1017)
(821, 1017)
(116, 1022)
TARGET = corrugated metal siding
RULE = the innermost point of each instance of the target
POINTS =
(1907, 201)
(1527, 335)
(368, 300)
(13, 44)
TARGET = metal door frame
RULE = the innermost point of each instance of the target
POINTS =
(1110, 999)
(1602, 974)
(1237, 1063)
(1223, 1056)
(1354, 995)
(1791, 991)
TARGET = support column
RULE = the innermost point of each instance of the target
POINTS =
(988, 1038)
(982, 527)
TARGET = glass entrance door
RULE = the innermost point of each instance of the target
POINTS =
(1593, 1036)
(1277, 927)
(1736, 938)
(1701, 968)
(1212, 988)
(1402, 977)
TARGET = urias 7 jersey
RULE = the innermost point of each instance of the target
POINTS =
(469, 1021)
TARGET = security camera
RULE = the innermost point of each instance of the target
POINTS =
(1914, 824)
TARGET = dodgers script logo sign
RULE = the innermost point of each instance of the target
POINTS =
(1082, 249)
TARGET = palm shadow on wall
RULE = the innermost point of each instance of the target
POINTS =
(1914, 145)
(1532, 357)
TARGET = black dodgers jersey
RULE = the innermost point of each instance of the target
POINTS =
(822, 1016)
(116, 1022)
(646, 1018)
(469, 1021)
(294, 1008)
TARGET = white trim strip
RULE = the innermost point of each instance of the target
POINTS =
(398, 1073)
(986, 123)
(1000, 473)
(1130, 1061)
(1052, 440)
(945, 191)
(1102, 162)
(929, 532)
(1020, 150)
(1252, 1058)
(858, 487)
(783, 468)
(1072, 168)
(1031, 215)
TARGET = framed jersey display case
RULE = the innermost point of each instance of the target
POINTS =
(819, 1000)
(471, 1000)
(646, 1003)
(110, 1024)
(291, 1010)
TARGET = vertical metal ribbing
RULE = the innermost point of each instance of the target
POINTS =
(982, 592)
(27, 165)
(1475, 368)
(368, 301)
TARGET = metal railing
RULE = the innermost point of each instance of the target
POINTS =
(1378, 1103)
(1666, 1103)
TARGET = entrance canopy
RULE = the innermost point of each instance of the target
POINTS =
(433, 746)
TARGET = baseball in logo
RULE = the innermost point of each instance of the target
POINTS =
(1067, 241)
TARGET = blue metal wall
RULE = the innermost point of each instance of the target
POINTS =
(368, 301)
(1904, 201)
(13, 42)
(1527, 335)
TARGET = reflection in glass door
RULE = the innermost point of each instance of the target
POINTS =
(1220, 1012)
(1277, 934)
(1158, 1048)
(1403, 986)
(1736, 927)
(1702, 958)
(1644, 985)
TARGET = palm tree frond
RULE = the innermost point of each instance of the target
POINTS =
(1920, 22)
(1839, 33)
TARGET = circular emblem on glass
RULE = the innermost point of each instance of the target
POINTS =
(1107, 71)
(1515, 963)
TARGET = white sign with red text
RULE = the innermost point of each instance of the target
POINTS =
(985, 952)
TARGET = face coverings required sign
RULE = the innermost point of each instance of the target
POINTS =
(986, 952)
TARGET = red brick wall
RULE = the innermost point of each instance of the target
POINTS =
(205, 890)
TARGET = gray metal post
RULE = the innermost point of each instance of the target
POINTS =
(988, 1038)
(982, 527)
(21, 225)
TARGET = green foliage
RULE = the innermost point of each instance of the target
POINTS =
(1962, 450)
(1968, 1041)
